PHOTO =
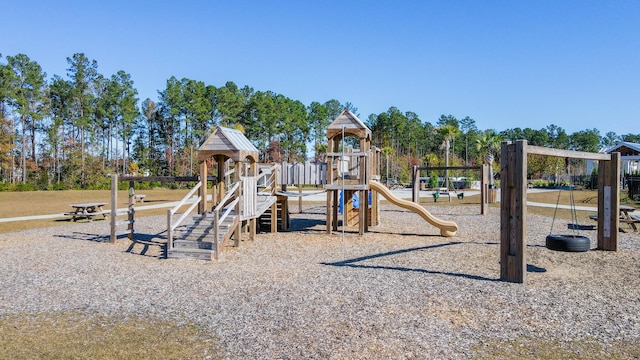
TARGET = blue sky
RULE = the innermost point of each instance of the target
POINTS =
(506, 64)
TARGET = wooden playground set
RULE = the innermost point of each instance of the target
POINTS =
(246, 196)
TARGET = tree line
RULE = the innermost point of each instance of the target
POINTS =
(71, 131)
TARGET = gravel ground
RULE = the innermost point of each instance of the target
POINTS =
(399, 291)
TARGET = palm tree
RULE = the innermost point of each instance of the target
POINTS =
(448, 132)
(387, 151)
(488, 145)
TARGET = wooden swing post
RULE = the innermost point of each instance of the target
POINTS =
(513, 201)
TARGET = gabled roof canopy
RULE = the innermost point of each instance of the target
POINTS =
(624, 148)
(352, 126)
(230, 143)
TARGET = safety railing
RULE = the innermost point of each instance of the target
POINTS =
(172, 225)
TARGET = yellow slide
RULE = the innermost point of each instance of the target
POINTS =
(447, 228)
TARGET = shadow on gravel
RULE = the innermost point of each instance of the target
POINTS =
(143, 243)
(140, 245)
(402, 234)
(535, 269)
(86, 236)
(353, 263)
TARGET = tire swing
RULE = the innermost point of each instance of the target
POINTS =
(568, 242)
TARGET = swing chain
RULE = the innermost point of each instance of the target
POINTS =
(574, 216)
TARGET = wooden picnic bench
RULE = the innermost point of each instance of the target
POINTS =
(139, 197)
(628, 218)
(87, 210)
(625, 217)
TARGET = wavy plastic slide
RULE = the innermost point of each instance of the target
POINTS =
(447, 228)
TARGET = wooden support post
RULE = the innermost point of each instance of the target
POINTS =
(170, 232)
(415, 180)
(334, 211)
(202, 207)
(132, 211)
(252, 229)
(222, 178)
(253, 223)
(114, 207)
(347, 207)
(608, 203)
(363, 211)
(274, 207)
(237, 235)
(513, 211)
(284, 214)
(330, 206)
(374, 208)
(299, 198)
(484, 187)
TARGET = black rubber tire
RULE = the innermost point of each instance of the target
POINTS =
(570, 243)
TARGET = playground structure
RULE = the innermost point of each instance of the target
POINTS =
(245, 194)
(513, 203)
(484, 182)
(356, 171)
(243, 191)
(237, 200)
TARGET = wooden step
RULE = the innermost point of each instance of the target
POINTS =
(196, 240)
(205, 229)
(184, 243)
(190, 253)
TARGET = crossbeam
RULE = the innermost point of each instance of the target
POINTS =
(539, 150)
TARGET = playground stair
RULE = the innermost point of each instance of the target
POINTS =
(197, 239)
(264, 221)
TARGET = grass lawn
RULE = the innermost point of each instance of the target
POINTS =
(29, 203)
(83, 336)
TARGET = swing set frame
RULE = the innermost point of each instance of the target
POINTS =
(513, 203)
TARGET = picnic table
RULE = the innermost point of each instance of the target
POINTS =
(625, 216)
(87, 210)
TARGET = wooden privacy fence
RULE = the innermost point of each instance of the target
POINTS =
(307, 173)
